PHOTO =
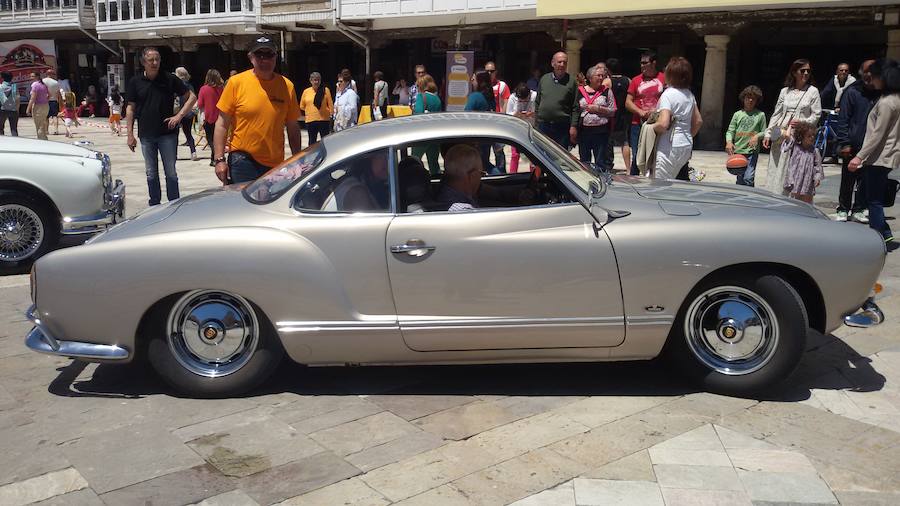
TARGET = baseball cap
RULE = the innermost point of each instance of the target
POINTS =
(263, 41)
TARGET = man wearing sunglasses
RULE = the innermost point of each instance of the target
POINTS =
(259, 103)
(643, 95)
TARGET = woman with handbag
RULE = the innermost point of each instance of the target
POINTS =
(678, 122)
(880, 152)
(798, 101)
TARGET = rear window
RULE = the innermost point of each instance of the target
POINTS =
(272, 185)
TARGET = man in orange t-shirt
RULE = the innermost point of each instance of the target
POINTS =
(259, 104)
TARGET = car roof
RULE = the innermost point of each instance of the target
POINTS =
(407, 129)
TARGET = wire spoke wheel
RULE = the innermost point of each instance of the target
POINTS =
(21, 232)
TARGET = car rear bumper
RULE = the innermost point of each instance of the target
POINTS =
(868, 315)
(112, 213)
(42, 341)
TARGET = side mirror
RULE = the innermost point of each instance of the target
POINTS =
(596, 191)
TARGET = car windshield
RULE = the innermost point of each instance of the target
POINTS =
(274, 183)
(570, 166)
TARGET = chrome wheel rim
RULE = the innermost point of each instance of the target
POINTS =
(731, 330)
(21, 232)
(212, 333)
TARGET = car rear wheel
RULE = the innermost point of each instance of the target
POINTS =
(214, 344)
(27, 229)
(740, 334)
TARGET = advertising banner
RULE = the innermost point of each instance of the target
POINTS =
(22, 57)
(115, 76)
(460, 65)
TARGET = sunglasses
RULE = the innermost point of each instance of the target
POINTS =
(264, 55)
(803, 71)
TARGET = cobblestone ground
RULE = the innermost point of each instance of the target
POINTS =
(586, 434)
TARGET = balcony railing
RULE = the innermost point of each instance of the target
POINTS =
(16, 15)
(351, 9)
(130, 15)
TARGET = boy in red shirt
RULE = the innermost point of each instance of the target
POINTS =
(643, 95)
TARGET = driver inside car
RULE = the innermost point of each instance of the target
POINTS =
(366, 188)
(461, 185)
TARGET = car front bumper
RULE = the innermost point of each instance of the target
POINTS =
(113, 212)
(42, 341)
(869, 315)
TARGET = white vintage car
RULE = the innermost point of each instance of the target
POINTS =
(49, 189)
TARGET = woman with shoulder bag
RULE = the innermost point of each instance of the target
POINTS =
(797, 102)
(380, 97)
(880, 152)
(595, 106)
(678, 122)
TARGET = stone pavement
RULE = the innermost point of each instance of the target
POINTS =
(545, 434)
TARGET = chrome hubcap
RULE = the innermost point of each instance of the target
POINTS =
(212, 333)
(731, 330)
(21, 232)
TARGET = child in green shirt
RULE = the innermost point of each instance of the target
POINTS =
(745, 131)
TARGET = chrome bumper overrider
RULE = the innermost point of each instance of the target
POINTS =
(113, 212)
(41, 341)
(868, 315)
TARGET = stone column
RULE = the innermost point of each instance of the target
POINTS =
(573, 51)
(893, 43)
(713, 100)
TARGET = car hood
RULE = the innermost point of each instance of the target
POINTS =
(36, 146)
(716, 193)
(215, 207)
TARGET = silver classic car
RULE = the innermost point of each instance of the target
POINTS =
(351, 252)
(48, 189)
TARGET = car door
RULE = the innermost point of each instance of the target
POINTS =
(510, 278)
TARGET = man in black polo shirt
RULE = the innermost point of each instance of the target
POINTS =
(151, 100)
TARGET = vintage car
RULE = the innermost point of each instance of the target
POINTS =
(48, 189)
(337, 257)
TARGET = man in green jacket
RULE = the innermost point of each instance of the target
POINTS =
(555, 101)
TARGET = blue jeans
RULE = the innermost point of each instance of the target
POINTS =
(166, 146)
(876, 178)
(592, 141)
(243, 168)
(634, 135)
(499, 157)
(558, 131)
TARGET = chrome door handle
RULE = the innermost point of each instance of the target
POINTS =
(413, 248)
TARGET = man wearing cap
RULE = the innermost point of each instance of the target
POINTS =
(259, 104)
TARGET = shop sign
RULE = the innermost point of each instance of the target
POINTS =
(22, 57)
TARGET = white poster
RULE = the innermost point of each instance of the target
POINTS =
(22, 57)
(115, 76)
(460, 65)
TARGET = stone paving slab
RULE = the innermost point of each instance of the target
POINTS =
(558, 434)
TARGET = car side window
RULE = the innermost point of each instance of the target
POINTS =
(358, 184)
(464, 174)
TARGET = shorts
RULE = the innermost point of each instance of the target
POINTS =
(54, 108)
(617, 137)
(114, 117)
(68, 121)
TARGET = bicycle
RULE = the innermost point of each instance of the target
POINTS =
(826, 137)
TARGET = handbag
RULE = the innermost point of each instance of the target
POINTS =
(890, 192)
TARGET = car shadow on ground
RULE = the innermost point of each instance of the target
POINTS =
(828, 364)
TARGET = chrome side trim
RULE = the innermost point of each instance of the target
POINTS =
(649, 320)
(432, 323)
(869, 315)
(336, 325)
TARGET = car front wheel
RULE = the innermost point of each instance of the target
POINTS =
(215, 344)
(27, 229)
(741, 334)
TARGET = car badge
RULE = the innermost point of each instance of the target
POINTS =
(655, 309)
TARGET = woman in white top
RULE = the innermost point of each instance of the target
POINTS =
(401, 89)
(679, 120)
(798, 101)
(521, 105)
(345, 106)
